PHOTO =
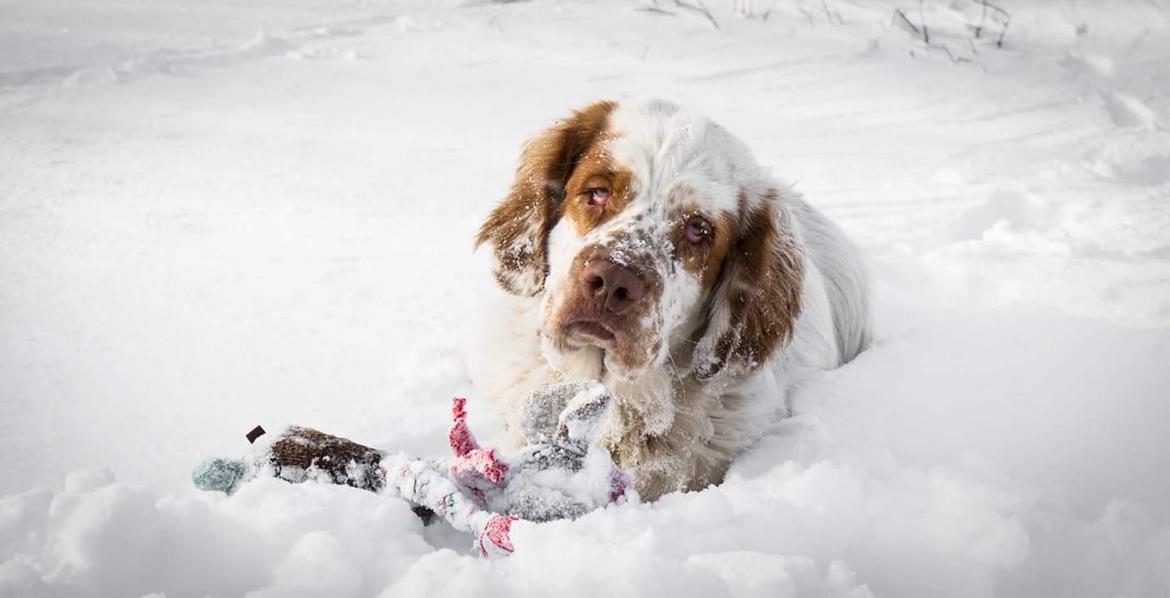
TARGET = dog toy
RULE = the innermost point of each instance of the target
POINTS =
(562, 474)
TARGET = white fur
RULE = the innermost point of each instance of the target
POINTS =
(680, 158)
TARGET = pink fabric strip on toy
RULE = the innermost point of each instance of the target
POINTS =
(424, 483)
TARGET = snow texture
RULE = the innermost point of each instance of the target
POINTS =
(218, 213)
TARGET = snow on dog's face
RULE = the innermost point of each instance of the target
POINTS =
(649, 230)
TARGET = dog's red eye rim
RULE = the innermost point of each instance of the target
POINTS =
(696, 231)
(597, 196)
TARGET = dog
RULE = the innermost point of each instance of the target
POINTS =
(645, 248)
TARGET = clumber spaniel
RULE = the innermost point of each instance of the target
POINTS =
(648, 250)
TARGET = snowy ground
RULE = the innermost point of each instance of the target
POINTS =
(225, 213)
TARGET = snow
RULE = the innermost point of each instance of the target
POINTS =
(220, 214)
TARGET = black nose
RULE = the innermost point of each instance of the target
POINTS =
(612, 286)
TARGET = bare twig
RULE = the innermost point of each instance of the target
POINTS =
(922, 20)
(989, 13)
(901, 17)
(1004, 15)
(808, 15)
(707, 13)
(701, 9)
(831, 15)
(982, 19)
(922, 30)
(655, 10)
(951, 55)
(767, 13)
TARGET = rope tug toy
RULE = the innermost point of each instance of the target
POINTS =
(563, 475)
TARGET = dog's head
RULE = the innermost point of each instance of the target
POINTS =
(654, 237)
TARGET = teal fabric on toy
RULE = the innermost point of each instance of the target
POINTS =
(218, 475)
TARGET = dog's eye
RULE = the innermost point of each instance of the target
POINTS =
(696, 231)
(597, 196)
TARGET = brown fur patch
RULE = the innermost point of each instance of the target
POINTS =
(518, 227)
(594, 169)
(705, 259)
(760, 286)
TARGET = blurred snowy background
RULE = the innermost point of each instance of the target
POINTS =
(220, 213)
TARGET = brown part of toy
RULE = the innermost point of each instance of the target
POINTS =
(343, 460)
(255, 433)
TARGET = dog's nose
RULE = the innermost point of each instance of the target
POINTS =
(612, 286)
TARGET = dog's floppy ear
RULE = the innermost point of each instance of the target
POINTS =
(518, 228)
(754, 304)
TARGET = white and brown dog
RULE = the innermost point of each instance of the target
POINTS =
(648, 250)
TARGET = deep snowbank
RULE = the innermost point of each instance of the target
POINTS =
(203, 228)
(923, 469)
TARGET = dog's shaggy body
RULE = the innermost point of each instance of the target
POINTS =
(648, 250)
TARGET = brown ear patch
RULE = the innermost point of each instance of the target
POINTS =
(518, 227)
(759, 291)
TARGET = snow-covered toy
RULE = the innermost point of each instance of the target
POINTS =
(563, 474)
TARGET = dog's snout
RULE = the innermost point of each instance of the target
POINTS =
(611, 286)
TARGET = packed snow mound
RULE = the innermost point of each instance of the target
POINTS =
(902, 474)
(220, 215)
